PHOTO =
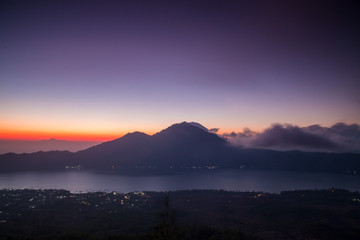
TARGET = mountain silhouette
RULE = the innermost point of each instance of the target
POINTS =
(184, 144)
(177, 146)
(126, 151)
(180, 146)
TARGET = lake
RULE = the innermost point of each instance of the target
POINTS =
(234, 180)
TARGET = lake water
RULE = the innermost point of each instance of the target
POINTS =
(236, 180)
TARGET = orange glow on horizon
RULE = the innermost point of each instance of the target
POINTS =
(71, 136)
(97, 136)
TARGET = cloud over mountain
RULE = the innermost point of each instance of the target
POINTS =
(340, 137)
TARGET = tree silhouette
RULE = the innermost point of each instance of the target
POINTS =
(167, 229)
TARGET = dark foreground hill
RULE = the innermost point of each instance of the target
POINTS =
(180, 147)
(59, 214)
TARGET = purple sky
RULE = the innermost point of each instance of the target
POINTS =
(111, 67)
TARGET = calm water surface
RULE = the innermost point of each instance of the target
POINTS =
(236, 180)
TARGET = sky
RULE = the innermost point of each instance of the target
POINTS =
(95, 70)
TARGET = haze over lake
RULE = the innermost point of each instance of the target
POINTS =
(234, 180)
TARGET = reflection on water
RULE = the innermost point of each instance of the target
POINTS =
(236, 180)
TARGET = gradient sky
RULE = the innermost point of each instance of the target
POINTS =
(98, 69)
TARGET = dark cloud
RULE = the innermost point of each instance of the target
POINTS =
(340, 137)
(214, 130)
(347, 136)
(291, 136)
(230, 135)
(350, 131)
(340, 129)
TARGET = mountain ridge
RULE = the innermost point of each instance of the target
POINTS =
(180, 146)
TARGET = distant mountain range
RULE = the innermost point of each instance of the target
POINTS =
(26, 146)
(179, 147)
